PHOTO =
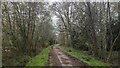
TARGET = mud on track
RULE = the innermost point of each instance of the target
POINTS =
(64, 60)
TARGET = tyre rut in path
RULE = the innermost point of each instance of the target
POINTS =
(60, 58)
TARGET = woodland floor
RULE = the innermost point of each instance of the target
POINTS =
(59, 58)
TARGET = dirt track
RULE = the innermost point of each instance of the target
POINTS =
(64, 60)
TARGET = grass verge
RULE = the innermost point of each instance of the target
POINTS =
(41, 59)
(84, 57)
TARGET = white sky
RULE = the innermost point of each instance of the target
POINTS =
(54, 20)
